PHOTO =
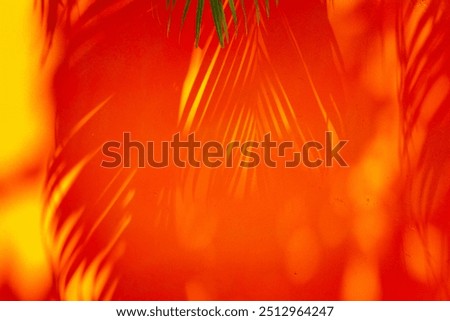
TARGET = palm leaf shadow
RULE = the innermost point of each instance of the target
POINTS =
(96, 217)
(423, 33)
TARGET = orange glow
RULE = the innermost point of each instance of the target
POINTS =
(25, 129)
(303, 255)
(24, 257)
(361, 281)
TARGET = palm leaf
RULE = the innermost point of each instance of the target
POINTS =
(94, 213)
(56, 12)
(423, 32)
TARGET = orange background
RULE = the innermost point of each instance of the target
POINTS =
(263, 234)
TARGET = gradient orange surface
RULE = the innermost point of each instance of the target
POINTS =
(374, 73)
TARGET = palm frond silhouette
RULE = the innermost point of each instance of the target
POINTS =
(423, 32)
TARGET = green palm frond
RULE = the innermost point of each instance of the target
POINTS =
(56, 12)
(218, 14)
